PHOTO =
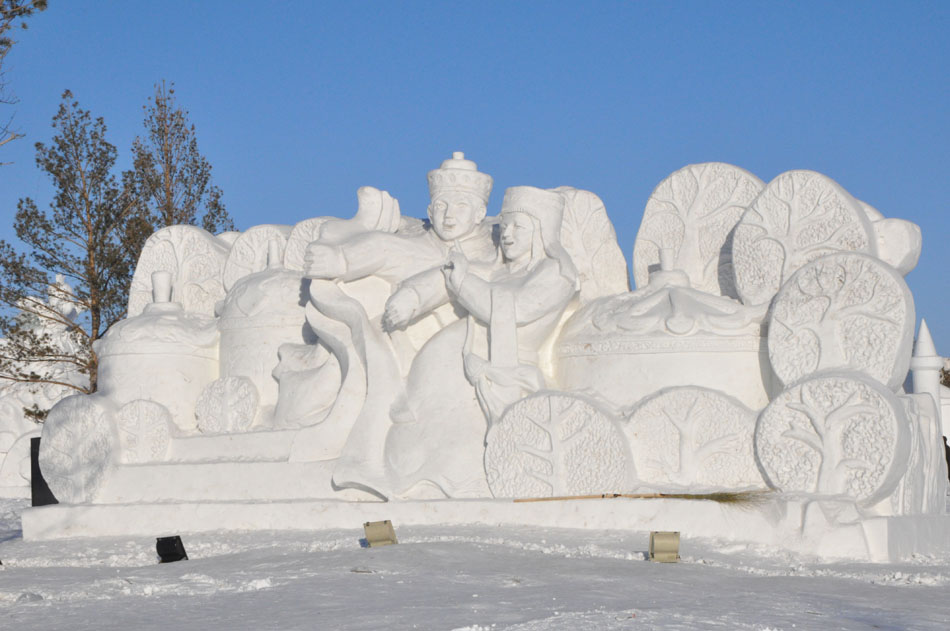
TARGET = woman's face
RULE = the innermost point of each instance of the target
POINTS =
(517, 234)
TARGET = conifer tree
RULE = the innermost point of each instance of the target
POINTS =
(13, 14)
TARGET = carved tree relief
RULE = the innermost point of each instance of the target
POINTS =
(144, 431)
(843, 311)
(800, 216)
(835, 435)
(249, 252)
(227, 405)
(693, 212)
(556, 444)
(300, 237)
(688, 436)
(193, 257)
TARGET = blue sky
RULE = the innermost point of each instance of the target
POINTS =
(297, 104)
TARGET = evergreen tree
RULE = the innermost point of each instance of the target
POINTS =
(170, 179)
(12, 14)
(80, 238)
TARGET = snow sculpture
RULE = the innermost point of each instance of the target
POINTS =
(554, 445)
(692, 212)
(843, 311)
(688, 437)
(800, 216)
(447, 366)
(834, 434)
(193, 258)
(144, 431)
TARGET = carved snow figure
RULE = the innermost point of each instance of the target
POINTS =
(227, 405)
(692, 212)
(800, 216)
(835, 434)
(79, 447)
(554, 444)
(194, 258)
(144, 431)
(520, 304)
(253, 252)
(843, 311)
(689, 436)
(135, 355)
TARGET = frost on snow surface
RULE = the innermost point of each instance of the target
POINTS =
(451, 578)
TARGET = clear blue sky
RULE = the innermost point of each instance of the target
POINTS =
(299, 103)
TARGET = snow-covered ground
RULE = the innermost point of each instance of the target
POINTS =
(473, 578)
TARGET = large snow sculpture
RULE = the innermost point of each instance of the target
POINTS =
(449, 365)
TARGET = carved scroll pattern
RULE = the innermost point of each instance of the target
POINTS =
(556, 444)
(800, 216)
(843, 311)
(693, 211)
(688, 436)
(834, 435)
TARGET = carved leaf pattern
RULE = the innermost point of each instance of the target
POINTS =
(837, 434)
(79, 447)
(799, 217)
(249, 252)
(589, 238)
(227, 405)
(556, 444)
(693, 211)
(144, 431)
(194, 258)
(843, 311)
(692, 436)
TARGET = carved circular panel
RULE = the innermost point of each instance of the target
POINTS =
(78, 448)
(843, 311)
(303, 234)
(693, 212)
(556, 444)
(227, 405)
(835, 434)
(800, 216)
(193, 257)
(691, 436)
(249, 252)
(144, 431)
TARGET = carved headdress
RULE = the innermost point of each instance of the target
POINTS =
(459, 174)
(546, 208)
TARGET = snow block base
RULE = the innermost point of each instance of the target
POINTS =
(776, 523)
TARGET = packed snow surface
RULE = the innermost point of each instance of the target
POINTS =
(451, 578)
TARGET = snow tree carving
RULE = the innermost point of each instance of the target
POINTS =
(688, 436)
(228, 404)
(832, 435)
(552, 444)
(843, 311)
(144, 431)
(693, 211)
(800, 216)
(79, 447)
(193, 257)
(589, 237)
(300, 237)
(249, 252)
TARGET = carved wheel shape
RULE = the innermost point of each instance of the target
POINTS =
(832, 435)
(689, 435)
(193, 257)
(144, 431)
(799, 217)
(553, 444)
(589, 238)
(843, 311)
(79, 447)
(249, 252)
(228, 404)
(303, 234)
(693, 211)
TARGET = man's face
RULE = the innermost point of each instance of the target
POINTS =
(453, 215)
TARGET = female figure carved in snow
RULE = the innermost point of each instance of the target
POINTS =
(435, 447)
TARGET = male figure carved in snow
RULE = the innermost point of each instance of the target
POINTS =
(351, 318)
(435, 447)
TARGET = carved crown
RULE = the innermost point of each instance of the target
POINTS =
(459, 174)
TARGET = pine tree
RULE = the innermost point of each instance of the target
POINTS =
(170, 179)
(12, 14)
(79, 237)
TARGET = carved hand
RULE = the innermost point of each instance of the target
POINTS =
(400, 309)
(455, 270)
(324, 261)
